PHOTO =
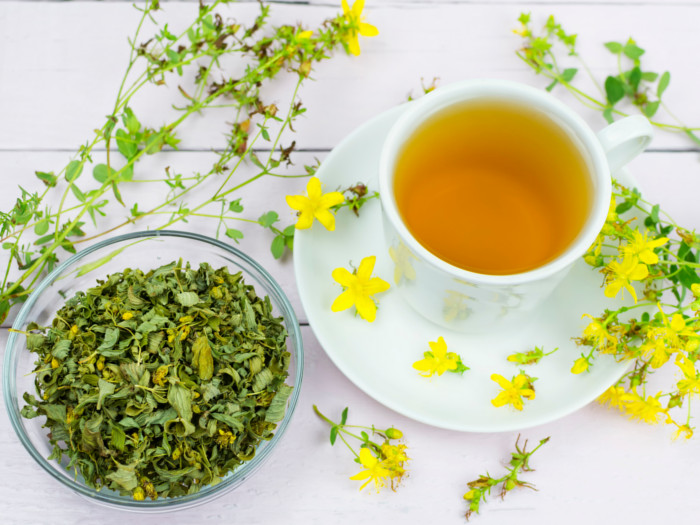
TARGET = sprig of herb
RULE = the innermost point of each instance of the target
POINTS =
(519, 462)
(35, 234)
(383, 462)
(531, 357)
(547, 52)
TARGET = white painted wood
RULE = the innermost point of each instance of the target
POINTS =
(67, 76)
(58, 66)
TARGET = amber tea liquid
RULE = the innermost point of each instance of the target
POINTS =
(492, 187)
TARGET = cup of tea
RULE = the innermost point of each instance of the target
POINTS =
(490, 191)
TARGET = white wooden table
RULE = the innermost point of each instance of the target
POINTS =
(59, 66)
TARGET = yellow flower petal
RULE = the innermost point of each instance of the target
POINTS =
(354, 45)
(326, 218)
(313, 188)
(343, 277)
(346, 8)
(364, 272)
(368, 29)
(502, 381)
(305, 221)
(366, 308)
(367, 458)
(344, 301)
(376, 285)
(613, 288)
(640, 272)
(358, 7)
(298, 202)
(332, 198)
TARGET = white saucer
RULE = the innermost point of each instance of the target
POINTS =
(378, 356)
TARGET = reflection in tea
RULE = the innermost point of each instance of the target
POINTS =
(492, 187)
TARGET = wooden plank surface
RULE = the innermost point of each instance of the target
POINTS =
(59, 64)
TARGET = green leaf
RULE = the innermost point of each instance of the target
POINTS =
(235, 206)
(334, 434)
(568, 74)
(614, 47)
(126, 144)
(277, 247)
(268, 219)
(234, 234)
(649, 76)
(278, 406)
(125, 476)
(663, 84)
(692, 136)
(624, 206)
(344, 416)
(634, 78)
(118, 438)
(86, 268)
(202, 358)
(41, 227)
(100, 173)
(47, 178)
(614, 90)
(111, 338)
(180, 398)
(73, 170)
(651, 108)
(130, 121)
(187, 298)
(106, 388)
(632, 51)
(78, 194)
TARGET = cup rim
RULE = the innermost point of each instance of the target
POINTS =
(460, 92)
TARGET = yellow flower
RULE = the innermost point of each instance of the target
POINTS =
(598, 333)
(304, 35)
(439, 360)
(683, 430)
(394, 458)
(74, 329)
(315, 206)
(580, 365)
(513, 392)
(374, 470)
(356, 25)
(643, 247)
(359, 287)
(402, 263)
(647, 410)
(691, 382)
(225, 438)
(619, 275)
(659, 352)
(695, 288)
(127, 315)
(139, 494)
(614, 397)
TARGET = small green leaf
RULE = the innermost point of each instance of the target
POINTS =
(73, 170)
(86, 268)
(663, 84)
(278, 406)
(118, 438)
(180, 398)
(344, 416)
(623, 207)
(632, 51)
(608, 115)
(234, 234)
(334, 434)
(568, 74)
(187, 298)
(235, 206)
(47, 178)
(634, 78)
(614, 90)
(202, 358)
(78, 194)
(651, 108)
(106, 388)
(41, 227)
(268, 219)
(649, 76)
(100, 173)
(364, 436)
(277, 246)
(614, 47)
(126, 144)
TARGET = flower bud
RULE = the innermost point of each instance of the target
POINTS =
(580, 365)
(393, 433)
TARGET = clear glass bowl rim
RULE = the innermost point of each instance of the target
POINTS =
(238, 475)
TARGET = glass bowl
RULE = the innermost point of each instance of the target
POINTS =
(146, 251)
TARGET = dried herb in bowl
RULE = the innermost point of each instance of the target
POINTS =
(157, 384)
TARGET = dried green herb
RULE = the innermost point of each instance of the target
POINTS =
(157, 384)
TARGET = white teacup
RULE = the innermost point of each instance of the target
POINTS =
(467, 301)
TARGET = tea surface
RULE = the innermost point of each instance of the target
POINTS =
(492, 188)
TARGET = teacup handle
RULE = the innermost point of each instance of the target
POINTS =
(625, 139)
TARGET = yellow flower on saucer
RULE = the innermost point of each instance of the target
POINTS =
(513, 391)
(620, 274)
(643, 247)
(354, 18)
(316, 206)
(439, 360)
(374, 470)
(359, 287)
